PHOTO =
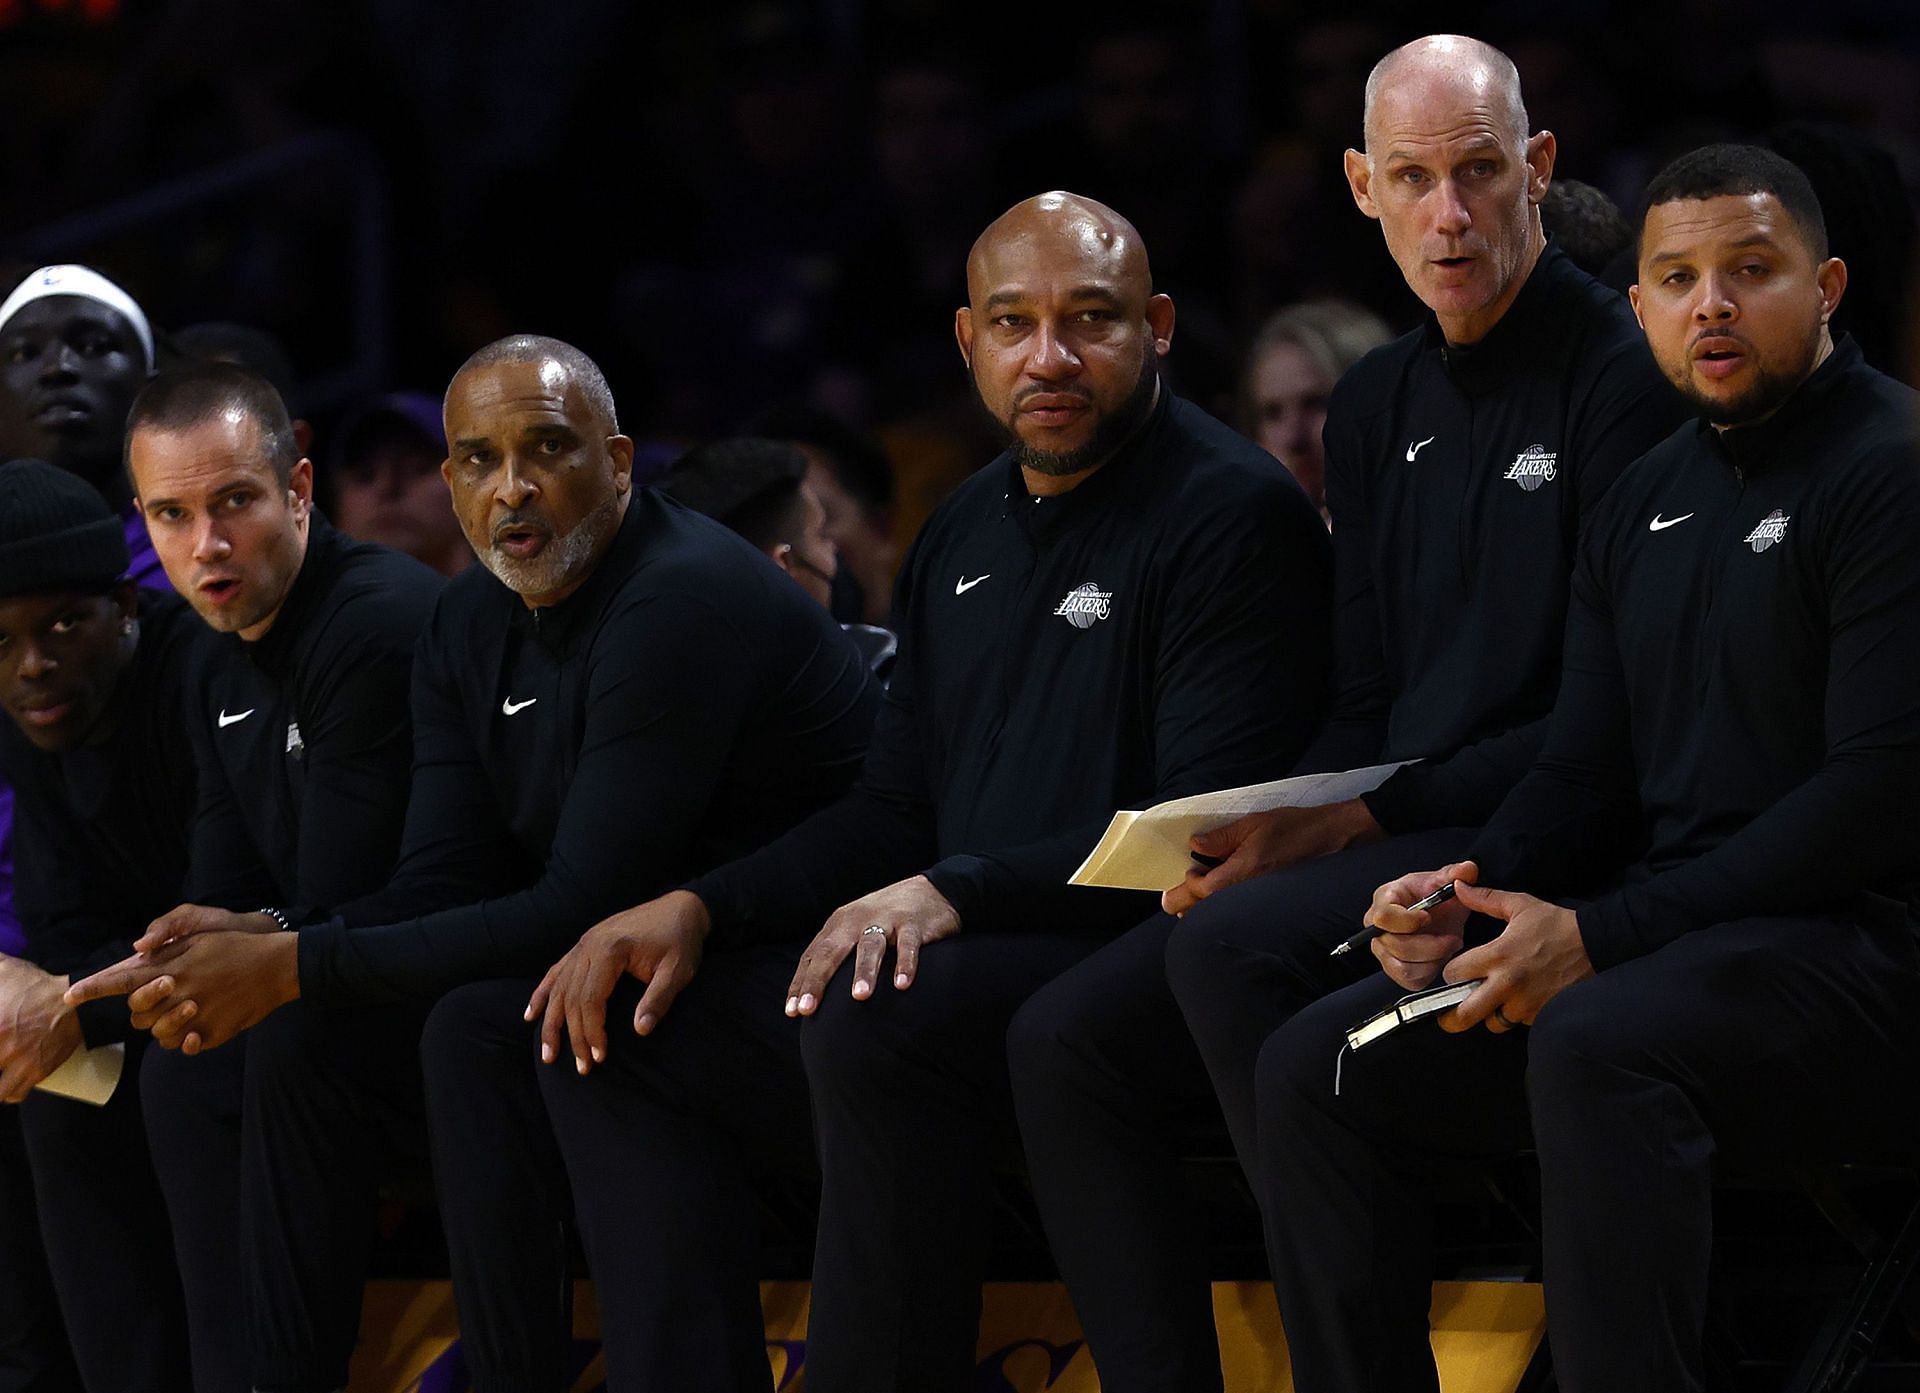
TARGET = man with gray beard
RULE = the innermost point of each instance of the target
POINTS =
(624, 696)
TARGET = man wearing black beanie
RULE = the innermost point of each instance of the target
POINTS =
(93, 676)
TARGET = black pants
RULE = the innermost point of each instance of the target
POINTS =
(107, 1239)
(34, 1357)
(270, 1150)
(1776, 1038)
(911, 1096)
(659, 1155)
(192, 1107)
(1112, 1091)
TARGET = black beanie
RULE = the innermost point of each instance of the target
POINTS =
(56, 532)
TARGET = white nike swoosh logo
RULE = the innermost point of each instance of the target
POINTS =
(509, 706)
(963, 585)
(1660, 524)
(1413, 450)
(226, 720)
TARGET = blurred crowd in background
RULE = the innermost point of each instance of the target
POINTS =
(756, 215)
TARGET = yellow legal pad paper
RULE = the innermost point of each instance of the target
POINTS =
(1148, 850)
(88, 1076)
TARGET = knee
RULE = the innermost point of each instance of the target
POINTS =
(473, 1025)
(1048, 1036)
(864, 1046)
(1199, 955)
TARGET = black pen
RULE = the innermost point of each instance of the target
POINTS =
(1366, 936)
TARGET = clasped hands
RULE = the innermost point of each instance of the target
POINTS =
(199, 976)
(661, 942)
(1536, 957)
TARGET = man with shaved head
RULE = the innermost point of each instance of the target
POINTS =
(622, 695)
(1128, 605)
(1461, 460)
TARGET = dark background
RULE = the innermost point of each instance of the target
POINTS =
(734, 204)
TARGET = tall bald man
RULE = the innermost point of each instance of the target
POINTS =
(1082, 623)
(1461, 462)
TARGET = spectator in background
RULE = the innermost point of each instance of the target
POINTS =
(851, 476)
(1295, 359)
(385, 484)
(74, 351)
(1584, 223)
(759, 489)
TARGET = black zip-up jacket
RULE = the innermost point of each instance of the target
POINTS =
(1740, 696)
(302, 737)
(1157, 631)
(685, 705)
(1458, 479)
(102, 830)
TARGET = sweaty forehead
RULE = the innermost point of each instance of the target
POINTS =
(1041, 257)
(493, 394)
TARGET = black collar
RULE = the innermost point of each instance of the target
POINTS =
(1047, 517)
(1751, 449)
(273, 651)
(1489, 362)
(556, 626)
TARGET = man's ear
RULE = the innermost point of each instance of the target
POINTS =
(1160, 321)
(1633, 298)
(963, 334)
(300, 485)
(126, 600)
(1831, 276)
(620, 451)
(781, 554)
(1360, 183)
(1542, 148)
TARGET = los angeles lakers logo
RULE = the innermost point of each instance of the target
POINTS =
(1085, 604)
(1533, 467)
(1772, 529)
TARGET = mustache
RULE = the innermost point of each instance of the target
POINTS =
(1026, 394)
(520, 519)
(1728, 334)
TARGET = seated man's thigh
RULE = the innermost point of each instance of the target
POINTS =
(952, 1019)
(1790, 1036)
(1279, 929)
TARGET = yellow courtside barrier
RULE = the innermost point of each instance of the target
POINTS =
(1484, 1334)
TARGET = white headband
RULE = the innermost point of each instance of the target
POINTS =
(89, 285)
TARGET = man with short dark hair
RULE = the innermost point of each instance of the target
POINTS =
(302, 743)
(1462, 460)
(761, 489)
(94, 678)
(1700, 914)
(622, 695)
(1127, 605)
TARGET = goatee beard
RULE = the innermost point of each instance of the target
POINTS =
(1112, 432)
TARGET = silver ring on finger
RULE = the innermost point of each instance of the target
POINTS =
(1500, 1014)
(873, 929)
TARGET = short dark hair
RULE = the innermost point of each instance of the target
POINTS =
(1584, 223)
(191, 395)
(749, 484)
(1716, 170)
